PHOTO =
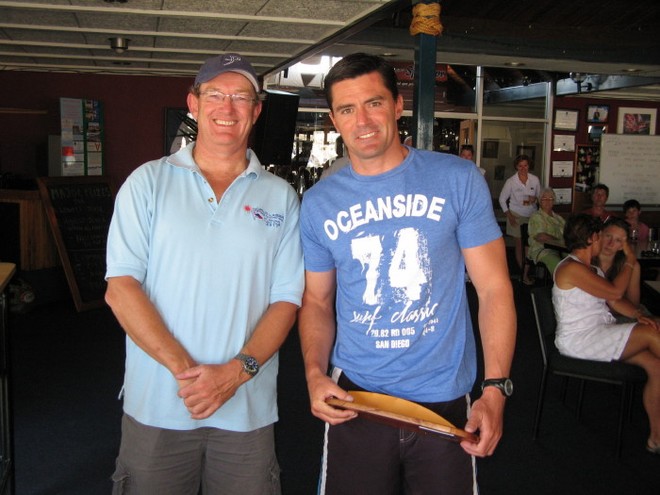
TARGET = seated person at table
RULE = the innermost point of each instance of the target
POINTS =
(545, 226)
(612, 258)
(599, 195)
(631, 211)
(586, 329)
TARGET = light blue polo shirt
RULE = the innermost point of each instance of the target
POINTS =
(211, 269)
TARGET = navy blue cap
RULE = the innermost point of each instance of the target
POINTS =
(228, 62)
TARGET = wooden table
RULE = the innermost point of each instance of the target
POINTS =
(7, 271)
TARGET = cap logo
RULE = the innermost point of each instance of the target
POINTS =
(230, 59)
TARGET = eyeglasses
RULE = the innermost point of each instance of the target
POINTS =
(547, 199)
(215, 96)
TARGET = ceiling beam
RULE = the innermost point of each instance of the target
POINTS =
(96, 69)
(206, 15)
(164, 34)
(103, 58)
(133, 48)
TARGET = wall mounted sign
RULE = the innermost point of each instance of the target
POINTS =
(562, 168)
(564, 142)
(566, 120)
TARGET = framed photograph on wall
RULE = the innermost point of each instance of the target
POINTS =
(491, 149)
(566, 120)
(530, 151)
(639, 121)
(597, 113)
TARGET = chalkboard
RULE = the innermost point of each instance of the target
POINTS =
(630, 167)
(79, 210)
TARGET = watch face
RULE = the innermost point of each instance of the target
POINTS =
(251, 365)
(504, 384)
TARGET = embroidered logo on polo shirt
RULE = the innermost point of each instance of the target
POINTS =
(270, 219)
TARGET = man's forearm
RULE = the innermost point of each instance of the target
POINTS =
(271, 331)
(316, 327)
(143, 324)
(497, 325)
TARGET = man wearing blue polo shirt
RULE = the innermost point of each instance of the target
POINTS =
(204, 272)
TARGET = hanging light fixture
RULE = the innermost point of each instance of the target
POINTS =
(119, 44)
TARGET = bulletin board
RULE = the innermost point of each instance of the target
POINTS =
(630, 167)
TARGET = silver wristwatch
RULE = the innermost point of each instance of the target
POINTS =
(250, 364)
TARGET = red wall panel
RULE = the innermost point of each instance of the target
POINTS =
(134, 109)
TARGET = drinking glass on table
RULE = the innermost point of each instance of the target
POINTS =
(654, 246)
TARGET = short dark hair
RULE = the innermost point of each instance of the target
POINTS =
(631, 203)
(522, 158)
(578, 230)
(360, 64)
(467, 147)
(601, 186)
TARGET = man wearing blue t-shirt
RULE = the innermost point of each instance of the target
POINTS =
(386, 242)
(205, 276)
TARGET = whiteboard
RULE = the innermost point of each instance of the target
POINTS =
(630, 167)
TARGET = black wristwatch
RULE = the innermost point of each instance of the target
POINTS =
(504, 384)
(250, 364)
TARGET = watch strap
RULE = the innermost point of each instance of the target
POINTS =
(504, 384)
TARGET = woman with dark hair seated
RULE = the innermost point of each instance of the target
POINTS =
(611, 258)
(586, 329)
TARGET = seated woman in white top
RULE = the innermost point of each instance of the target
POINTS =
(586, 329)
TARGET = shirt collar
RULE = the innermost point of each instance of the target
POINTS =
(184, 159)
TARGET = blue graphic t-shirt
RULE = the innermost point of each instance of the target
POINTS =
(395, 239)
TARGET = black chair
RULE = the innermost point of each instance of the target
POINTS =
(534, 267)
(613, 372)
